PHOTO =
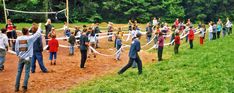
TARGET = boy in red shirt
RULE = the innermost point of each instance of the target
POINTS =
(53, 48)
(191, 37)
(177, 43)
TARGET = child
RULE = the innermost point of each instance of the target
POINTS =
(191, 37)
(177, 43)
(118, 46)
(92, 39)
(53, 44)
(77, 34)
(14, 36)
(72, 41)
(202, 34)
(214, 31)
(173, 34)
(211, 31)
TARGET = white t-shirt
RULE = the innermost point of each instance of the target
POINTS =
(155, 22)
(211, 29)
(3, 41)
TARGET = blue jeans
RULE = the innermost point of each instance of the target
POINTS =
(38, 56)
(148, 39)
(71, 49)
(2, 61)
(53, 55)
(21, 64)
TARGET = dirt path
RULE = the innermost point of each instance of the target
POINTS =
(67, 72)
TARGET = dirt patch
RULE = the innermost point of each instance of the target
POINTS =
(67, 72)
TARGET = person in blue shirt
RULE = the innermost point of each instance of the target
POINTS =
(133, 55)
(118, 47)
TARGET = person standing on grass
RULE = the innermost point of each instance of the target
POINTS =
(177, 43)
(53, 44)
(3, 48)
(133, 55)
(84, 45)
(149, 31)
(211, 31)
(24, 50)
(219, 29)
(160, 46)
(72, 41)
(202, 34)
(229, 26)
(173, 30)
(37, 52)
(9, 28)
(214, 31)
(191, 37)
(48, 28)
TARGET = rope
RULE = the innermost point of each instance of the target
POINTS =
(29, 12)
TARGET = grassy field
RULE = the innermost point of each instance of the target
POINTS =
(204, 69)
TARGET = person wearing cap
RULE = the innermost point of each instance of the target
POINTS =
(160, 46)
(133, 55)
(3, 47)
(24, 50)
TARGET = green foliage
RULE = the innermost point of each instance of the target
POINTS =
(205, 69)
(122, 10)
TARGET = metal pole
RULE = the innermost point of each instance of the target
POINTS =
(67, 12)
(5, 10)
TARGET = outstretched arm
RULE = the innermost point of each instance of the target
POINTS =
(36, 35)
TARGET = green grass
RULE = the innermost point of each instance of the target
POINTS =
(204, 69)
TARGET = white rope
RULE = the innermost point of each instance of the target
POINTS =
(30, 12)
(106, 54)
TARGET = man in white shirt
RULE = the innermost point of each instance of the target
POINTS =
(3, 48)
(24, 50)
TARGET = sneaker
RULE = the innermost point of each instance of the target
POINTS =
(51, 63)
(24, 89)
(54, 63)
(17, 90)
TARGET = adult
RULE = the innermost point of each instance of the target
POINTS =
(48, 28)
(24, 50)
(84, 44)
(133, 55)
(149, 32)
(9, 28)
(110, 31)
(3, 48)
(37, 52)
(229, 26)
(160, 46)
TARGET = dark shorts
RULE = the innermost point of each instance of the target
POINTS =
(9, 34)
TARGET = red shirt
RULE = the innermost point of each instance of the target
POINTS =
(177, 40)
(53, 45)
(9, 27)
(191, 34)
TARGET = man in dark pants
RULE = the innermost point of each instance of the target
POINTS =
(84, 44)
(97, 30)
(133, 54)
(48, 28)
(160, 46)
(37, 53)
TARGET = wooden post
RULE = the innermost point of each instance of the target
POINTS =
(4, 6)
(67, 12)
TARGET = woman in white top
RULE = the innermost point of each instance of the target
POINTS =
(228, 26)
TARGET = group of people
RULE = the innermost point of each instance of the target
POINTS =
(29, 47)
